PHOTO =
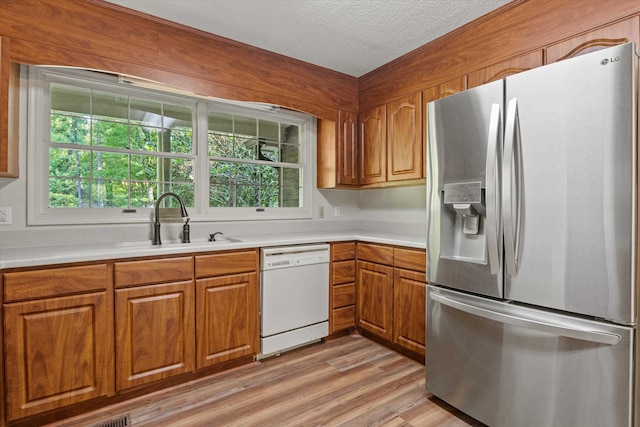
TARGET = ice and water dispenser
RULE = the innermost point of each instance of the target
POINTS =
(462, 216)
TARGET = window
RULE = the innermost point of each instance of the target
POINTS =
(103, 150)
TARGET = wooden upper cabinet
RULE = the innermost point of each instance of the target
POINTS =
(337, 153)
(347, 148)
(404, 138)
(444, 89)
(9, 82)
(373, 147)
(619, 33)
(505, 68)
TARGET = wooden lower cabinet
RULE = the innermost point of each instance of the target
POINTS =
(375, 298)
(391, 292)
(342, 290)
(57, 352)
(226, 313)
(227, 306)
(154, 333)
(409, 308)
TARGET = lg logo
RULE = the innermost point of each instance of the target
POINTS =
(609, 60)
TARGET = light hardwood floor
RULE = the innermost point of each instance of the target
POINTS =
(348, 381)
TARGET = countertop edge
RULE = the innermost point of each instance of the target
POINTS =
(51, 255)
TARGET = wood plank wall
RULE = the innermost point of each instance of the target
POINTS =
(516, 28)
(99, 35)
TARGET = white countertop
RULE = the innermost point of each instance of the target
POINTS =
(43, 255)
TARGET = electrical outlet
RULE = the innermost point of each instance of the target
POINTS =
(5, 216)
(321, 212)
(336, 211)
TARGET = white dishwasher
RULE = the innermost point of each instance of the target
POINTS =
(294, 296)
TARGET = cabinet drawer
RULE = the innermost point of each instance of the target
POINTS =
(344, 295)
(343, 318)
(411, 259)
(226, 263)
(375, 253)
(343, 251)
(24, 285)
(135, 273)
(343, 272)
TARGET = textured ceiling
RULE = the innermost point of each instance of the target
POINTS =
(350, 36)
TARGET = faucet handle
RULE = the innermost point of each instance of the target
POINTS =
(186, 231)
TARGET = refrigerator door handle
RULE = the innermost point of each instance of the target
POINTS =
(492, 193)
(552, 328)
(512, 188)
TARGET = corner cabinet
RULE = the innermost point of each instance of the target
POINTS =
(373, 145)
(392, 142)
(405, 141)
(227, 307)
(154, 318)
(391, 289)
(375, 289)
(58, 338)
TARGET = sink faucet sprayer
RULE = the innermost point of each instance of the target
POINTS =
(183, 214)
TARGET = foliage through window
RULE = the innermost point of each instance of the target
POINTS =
(110, 149)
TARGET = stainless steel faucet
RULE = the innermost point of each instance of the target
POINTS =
(183, 214)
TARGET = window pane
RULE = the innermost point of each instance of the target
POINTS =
(69, 129)
(69, 163)
(110, 194)
(291, 194)
(110, 106)
(220, 122)
(146, 138)
(70, 100)
(111, 165)
(177, 122)
(146, 112)
(290, 153)
(68, 193)
(269, 130)
(110, 134)
(245, 126)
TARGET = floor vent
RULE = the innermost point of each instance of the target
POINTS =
(122, 421)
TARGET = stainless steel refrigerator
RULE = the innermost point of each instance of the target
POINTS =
(532, 245)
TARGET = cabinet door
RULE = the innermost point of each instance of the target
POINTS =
(404, 138)
(373, 147)
(444, 89)
(611, 35)
(58, 351)
(375, 298)
(409, 303)
(227, 313)
(154, 333)
(505, 68)
(347, 149)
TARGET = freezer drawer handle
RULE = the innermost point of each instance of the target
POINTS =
(580, 334)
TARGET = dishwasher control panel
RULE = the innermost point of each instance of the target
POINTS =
(293, 256)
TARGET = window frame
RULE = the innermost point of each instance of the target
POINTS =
(38, 110)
